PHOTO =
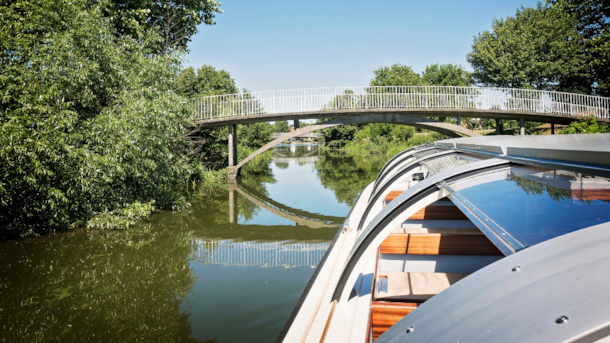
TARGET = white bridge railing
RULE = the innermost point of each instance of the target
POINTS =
(264, 254)
(400, 97)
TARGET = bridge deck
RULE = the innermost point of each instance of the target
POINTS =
(427, 101)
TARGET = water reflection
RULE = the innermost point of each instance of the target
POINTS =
(190, 276)
(262, 254)
(109, 286)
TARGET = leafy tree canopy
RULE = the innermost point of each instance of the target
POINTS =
(281, 126)
(175, 21)
(592, 20)
(534, 49)
(89, 124)
(254, 135)
(396, 75)
(206, 81)
(446, 75)
(586, 126)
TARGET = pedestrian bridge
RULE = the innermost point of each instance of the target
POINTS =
(306, 136)
(408, 105)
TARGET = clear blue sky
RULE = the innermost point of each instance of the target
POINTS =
(270, 44)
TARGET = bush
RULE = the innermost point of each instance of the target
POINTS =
(586, 126)
(89, 123)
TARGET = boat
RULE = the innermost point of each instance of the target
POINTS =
(477, 239)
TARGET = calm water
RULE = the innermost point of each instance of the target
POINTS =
(228, 269)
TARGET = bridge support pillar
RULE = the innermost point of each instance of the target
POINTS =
(459, 120)
(521, 126)
(232, 169)
(232, 202)
(296, 124)
(498, 126)
(552, 128)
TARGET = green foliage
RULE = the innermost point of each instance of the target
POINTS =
(586, 126)
(175, 21)
(88, 121)
(337, 137)
(403, 133)
(593, 27)
(111, 286)
(533, 188)
(396, 75)
(206, 81)
(534, 49)
(446, 75)
(281, 126)
(122, 218)
(255, 135)
(374, 132)
(347, 174)
(388, 139)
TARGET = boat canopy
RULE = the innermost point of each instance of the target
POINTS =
(528, 205)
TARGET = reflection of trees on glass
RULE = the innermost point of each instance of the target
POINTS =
(536, 187)
(119, 286)
(347, 175)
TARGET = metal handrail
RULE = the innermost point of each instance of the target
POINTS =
(400, 97)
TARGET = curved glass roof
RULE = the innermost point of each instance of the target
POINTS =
(528, 205)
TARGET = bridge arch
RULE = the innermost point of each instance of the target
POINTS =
(448, 129)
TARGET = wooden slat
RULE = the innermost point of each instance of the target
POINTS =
(438, 212)
(438, 244)
(392, 195)
(384, 315)
(442, 231)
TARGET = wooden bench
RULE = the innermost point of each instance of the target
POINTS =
(414, 287)
(467, 243)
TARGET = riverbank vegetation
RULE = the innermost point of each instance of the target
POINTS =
(95, 122)
(90, 124)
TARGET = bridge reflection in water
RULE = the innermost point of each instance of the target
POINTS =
(262, 254)
(259, 230)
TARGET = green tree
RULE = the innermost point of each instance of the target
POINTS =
(281, 126)
(586, 126)
(337, 136)
(210, 144)
(533, 49)
(206, 81)
(446, 75)
(89, 123)
(175, 21)
(396, 75)
(593, 26)
(254, 136)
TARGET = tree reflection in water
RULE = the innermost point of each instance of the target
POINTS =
(138, 284)
(122, 286)
(347, 175)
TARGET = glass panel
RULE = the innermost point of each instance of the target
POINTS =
(532, 205)
(434, 166)
(443, 163)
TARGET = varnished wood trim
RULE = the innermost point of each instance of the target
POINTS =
(438, 244)
(438, 212)
(370, 322)
(392, 195)
(330, 317)
(384, 315)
